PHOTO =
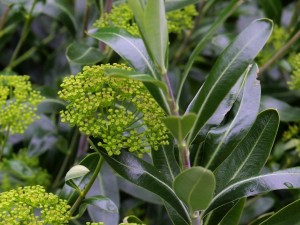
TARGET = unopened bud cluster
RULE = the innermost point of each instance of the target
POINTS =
(32, 205)
(18, 103)
(119, 112)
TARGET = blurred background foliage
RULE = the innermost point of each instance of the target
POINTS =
(47, 40)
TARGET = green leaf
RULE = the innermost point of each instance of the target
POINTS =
(222, 140)
(286, 112)
(286, 216)
(224, 14)
(178, 4)
(261, 218)
(155, 32)
(132, 219)
(233, 216)
(251, 154)
(195, 186)
(146, 78)
(164, 160)
(147, 176)
(229, 67)
(283, 179)
(83, 54)
(174, 216)
(61, 10)
(51, 105)
(180, 126)
(100, 202)
(272, 9)
(76, 172)
(130, 48)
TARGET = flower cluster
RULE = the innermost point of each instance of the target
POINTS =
(121, 16)
(275, 42)
(120, 112)
(294, 83)
(21, 169)
(18, 103)
(32, 205)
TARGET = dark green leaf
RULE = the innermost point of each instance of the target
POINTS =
(283, 179)
(164, 160)
(174, 216)
(272, 9)
(130, 48)
(261, 218)
(251, 154)
(147, 176)
(286, 216)
(180, 126)
(83, 54)
(229, 67)
(286, 112)
(233, 216)
(61, 10)
(50, 105)
(195, 186)
(222, 140)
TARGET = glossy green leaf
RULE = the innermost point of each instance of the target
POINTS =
(147, 176)
(286, 112)
(180, 126)
(174, 216)
(272, 9)
(178, 4)
(83, 54)
(229, 67)
(76, 171)
(61, 10)
(261, 218)
(251, 154)
(164, 160)
(146, 78)
(283, 179)
(224, 14)
(222, 140)
(195, 186)
(130, 48)
(138, 192)
(100, 202)
(155, 32)
(233, 216)
(286, 216)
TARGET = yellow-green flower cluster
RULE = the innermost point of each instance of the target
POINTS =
(121, 16)
(34, 174)
(277, 39)
(32, 205)
(294, 83)
(120, 112)
(18, 103)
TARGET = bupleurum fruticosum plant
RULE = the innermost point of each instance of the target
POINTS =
(119, 112)
(18, 103)
(32, 205)
(121, 16)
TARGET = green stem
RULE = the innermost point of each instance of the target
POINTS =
(66, 159)
(4, 142)
(85, 18)
(89, 185)
(24, 34)
(281, 52)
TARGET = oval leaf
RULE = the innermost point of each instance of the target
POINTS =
(195, 186)
(76, 171)
(229, 67)
(83, 54)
